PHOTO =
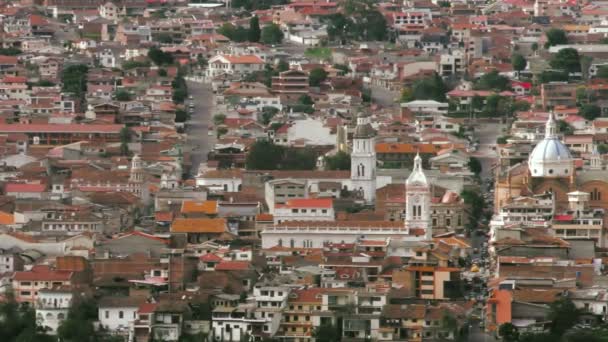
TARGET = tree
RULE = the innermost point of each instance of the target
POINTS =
(477, 102)
(501, 140)
(590, 112)
(493, 81)
(430, 88)
(339, 161)
(602, 72)
(164, 38)
(519, 62)
(162, 73)
(326, 333)
(44, 83)
(534, 47)
(475, 166)
(181, 115)
(567, 60)
(406, 95)
(267, 114)
(254, 29)
(317, 76)
(264, 155)
(122, 95)
(125, 138)
(298, 159)
(475, 201)
(74, 80)
(564, 127)
(602, 148)
(159, 57)
(79, 324)
(553, 76)
(11, 51)
(563, 316)
(508, 332)
(375, 26)
(271, 34)
(282, 66)
(555, 37)
(219, 119)
(128, 65)
(306, 100)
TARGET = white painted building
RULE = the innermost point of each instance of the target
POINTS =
(363, 159)
(52, 308)
(221, 180)
(118, 313)
(426, 106)
(418, 200)
(231, 64)
(306, 209)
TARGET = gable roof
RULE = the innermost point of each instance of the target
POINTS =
(198, 225)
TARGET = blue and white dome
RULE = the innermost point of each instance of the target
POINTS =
(550, 157)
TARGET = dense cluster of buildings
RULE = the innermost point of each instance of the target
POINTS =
(385, 208)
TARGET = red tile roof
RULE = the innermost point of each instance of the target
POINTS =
(52, 128)
(22, 187)
(232, 266)
(210, 257)
(43, 273)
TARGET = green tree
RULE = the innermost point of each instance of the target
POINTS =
(219, 119)
(122, 95)
(44, 83)
(282, 66)
(298, 159)
(339, 161)
(264, 155)
(254, 29)
(181, 115)
(564, 127)
(128, 65)
(493, 81)
(78, 327)
(159, 57)
(162, 72)
(534, 47)
(555, 37)
(475, 166)
(271, 34)
(326, 333)
(431, 88)
(567, 60)
(501, 140)
(508, 332)
(590, 112)
(602, 72)
(563, 316)
(344, 69)
(164, 38)
(306, 100)
(519, 62)
(11, 51)
(74, 80)
(317, 76)
(476, 203)
(477, 102)
(406, 95)
(267, 114)
(602, 148)
(125, 138)
(553, 76)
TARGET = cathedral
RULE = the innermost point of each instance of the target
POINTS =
(315, 234)
(551, 168)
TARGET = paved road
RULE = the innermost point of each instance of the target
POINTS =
(198, 141)
(487, 134)
(477, 335)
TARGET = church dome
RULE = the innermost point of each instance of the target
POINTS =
(550, 157)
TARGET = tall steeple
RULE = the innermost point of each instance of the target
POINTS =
(418, 200)
(363, 159)
(137, 173)
(551, 128)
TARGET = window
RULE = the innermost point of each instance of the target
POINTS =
(121, 314)
(107, 314)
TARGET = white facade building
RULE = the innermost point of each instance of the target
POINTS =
(418, 200)
(305, 209)
(550, 157)
(363, 159)
(117, 313)
(52, 308)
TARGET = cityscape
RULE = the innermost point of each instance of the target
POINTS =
(303, 170)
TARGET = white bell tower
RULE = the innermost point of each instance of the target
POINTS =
(418, 200)
(137, 174)
(363, 159)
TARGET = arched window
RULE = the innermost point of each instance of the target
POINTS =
(292, 243)
(280, 242)
(61, 316)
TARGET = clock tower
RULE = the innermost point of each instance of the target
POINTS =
(418, 200)
(363, 159)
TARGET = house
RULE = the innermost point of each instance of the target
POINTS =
(426, 107)
(231, 64)
(52, 308)
(306, 209)
(27, 284)
(117, 314)
(199, 230)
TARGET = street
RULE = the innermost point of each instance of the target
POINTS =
(199, 142)
(487, 132)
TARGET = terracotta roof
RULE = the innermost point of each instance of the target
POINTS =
(537, 296)
(22, 187)
(406, 148)
(205, 207)
(56, 128)
(43, 273)
(308, 203)
(233, 266)
(244, 59)
(264, 217)
(198, 225)
(210, 257)
(6, 218)
(313, 295)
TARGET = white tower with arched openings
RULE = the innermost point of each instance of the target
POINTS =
(137, 172)
(363, 159)
(418, 200)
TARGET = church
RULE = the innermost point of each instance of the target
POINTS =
(551, 168)
(314, 234)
